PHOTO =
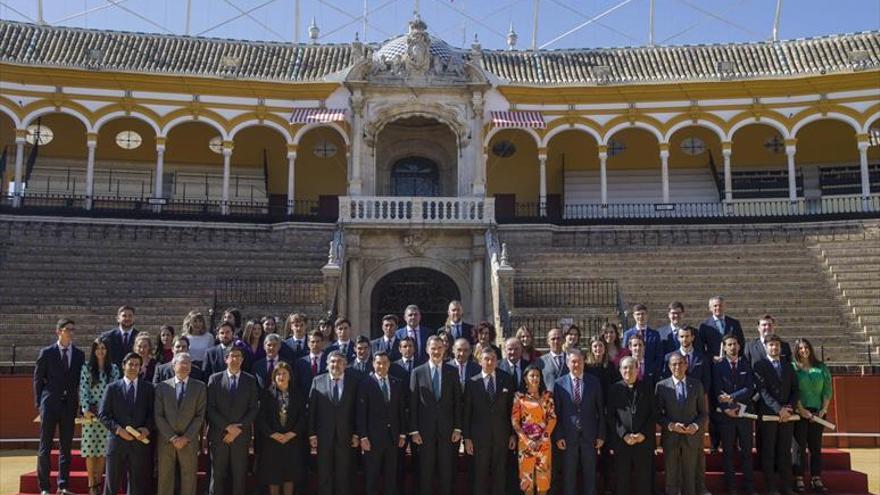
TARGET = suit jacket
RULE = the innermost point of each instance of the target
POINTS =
(260, 369)
(349, 351)
(377, 345)
(268, 422)
(116, 411)
(291, 351)
(506, 367)
(755, 351)
(428, 416)
(377, 420)
(584, 422)
(653, 347)
(166, 371)
(302, 373)
(113, 341)
(551, 370)
(225, 409)
(467, 332)
(399, 371)
(708, 337)
(630, 410)
(421, 355)
(487, 422)
(700, 368)
(668, 339)
(776, 391)
(329, 421)
(186, 419)
(669, 410)
(740, 386)
(470, 369)
(55, 384)
(215, 361)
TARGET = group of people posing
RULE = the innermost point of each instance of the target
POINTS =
(567, 420)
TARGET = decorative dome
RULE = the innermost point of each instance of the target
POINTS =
(397, 47)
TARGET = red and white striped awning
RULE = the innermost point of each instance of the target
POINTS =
(313, 115)
(518, 119)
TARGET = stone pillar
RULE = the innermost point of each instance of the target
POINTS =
(160, 166)
(542, 181)
(91, 144)
(726, 152)
(790, 150)
(354, 295)
(227, 171)
(355, 182)
(603, 172)
(863, 165)
(291, 178)
(664, 170)
(480, 152)
(478, 273)
(18, 185)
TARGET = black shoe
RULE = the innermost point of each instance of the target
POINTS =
(817, 486)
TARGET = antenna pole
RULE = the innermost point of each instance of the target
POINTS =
(188, 16)
(776, 20)
(651, 23)
(297, 21)
(40, 19)
(535, 26)
(366, 12)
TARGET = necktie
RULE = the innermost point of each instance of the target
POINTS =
(733, 368)
(461, 373)
(720, 324)
(577, 390)
(490, 388)
(679, 392)
(688, 356)
(559, 362)
(314, 366)
(457, 331)
(233, 385)
(408, 366)
(129, 394)
(435, 383)
(777, 368)
(415, 337)
(385, 392)
(271, 368)
(64, 358)
(124, 340)
(344, 349)
(181, 391)
(336, 391)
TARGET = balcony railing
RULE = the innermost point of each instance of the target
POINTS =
(416, 210)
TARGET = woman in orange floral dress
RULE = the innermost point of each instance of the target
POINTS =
(533, 420)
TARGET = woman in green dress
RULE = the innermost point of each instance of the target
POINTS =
(814, 384)
(96, 374)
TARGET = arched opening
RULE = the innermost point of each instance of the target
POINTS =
(572, 170)
(512, 171)
(259, 155)
(415, 176)
(634, 174)
(429, 289)
(321, 174)
(696, 166)
(758, 163)
(57, 165)
(828, 159)
(194, 162)
(422, 137)
(125, 159)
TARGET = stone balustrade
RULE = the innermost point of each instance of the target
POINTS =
(394, 210)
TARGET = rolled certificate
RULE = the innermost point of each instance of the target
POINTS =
(827, 424)
(770, 417)
(741, 412)
(135, 433)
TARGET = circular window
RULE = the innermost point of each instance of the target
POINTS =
(693, 146)
(503, 149)
(216, 144)
(129, 140)
(324, 149)
(38, 133)
(615, 147)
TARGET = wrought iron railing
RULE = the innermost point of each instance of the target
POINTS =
(541, 324)
(564, 293)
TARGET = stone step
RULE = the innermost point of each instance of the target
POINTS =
(857, 284)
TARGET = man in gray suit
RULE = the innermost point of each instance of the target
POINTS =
(681, 412)
(232, 408)
(553, 364)
(179, 415)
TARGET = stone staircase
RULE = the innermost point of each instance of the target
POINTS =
(84, 269)
(758, 271)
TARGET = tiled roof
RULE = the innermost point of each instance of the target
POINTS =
(30, 44)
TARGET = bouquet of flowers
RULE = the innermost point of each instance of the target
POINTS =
(533, 431)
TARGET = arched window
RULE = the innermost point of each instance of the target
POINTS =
(415, 176)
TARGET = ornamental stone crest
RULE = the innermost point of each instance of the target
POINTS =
(415, 242)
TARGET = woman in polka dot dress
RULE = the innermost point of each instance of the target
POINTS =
(96, 374)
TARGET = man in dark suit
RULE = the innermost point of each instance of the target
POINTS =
(232, 408)
(215, 357)
(128, 403)
(756, 350)
(778, 390)
(552, 364)
(306, 368)
(415, 331)
(513, 364)
(296, 346)
(681, 412)
(165, 371)
(403, 367)
(580, 427)
(332, 401)
(669, 333)
(362, 362)
(716, 326)
(636, 348)
(388, 342)
(653, 347)
(455, 324)
(488, 436)
(343, 341)
(631, 422)
(435, 419)
(381, 425)
(461, 360)
(732, 385)
(263, 367)
(56, 389)
(120, 340)
(180, 414)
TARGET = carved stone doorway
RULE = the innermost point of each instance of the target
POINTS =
(429, 289)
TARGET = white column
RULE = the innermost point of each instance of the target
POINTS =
(542, 184)
(863, 165)
(91, 144)
(291, 181)
(354, 296)
(355, 182)
(603, 173)
(478, 188)
(160, 170)
(18, 186)
(726, 152)
(790, 150)
(477, 304)
(664, 173)
(227, 168)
